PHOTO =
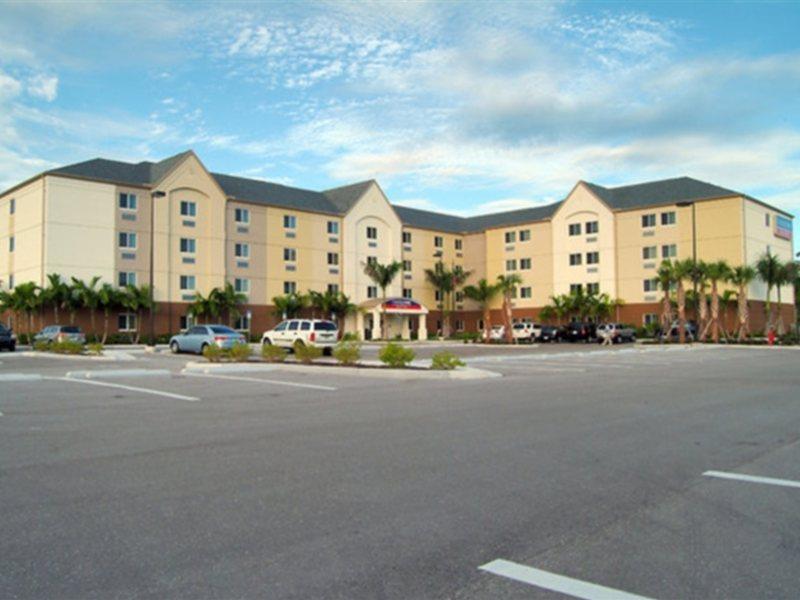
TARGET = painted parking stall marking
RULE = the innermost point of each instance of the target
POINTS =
(556, 583)
(129, 388)
(310, 386)
(753, 479)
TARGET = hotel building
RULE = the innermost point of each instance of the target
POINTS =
(94, 218)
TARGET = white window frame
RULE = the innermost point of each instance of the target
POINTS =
(525, 264)
(129, 235)
(289, 287)
(372, 291)
(289, 255)
(127, 275)
(289, 222)
(438, 241)
(188, 208)
(575, 259)
(241, 250)
(191, 245)
(241, 285)
(511, 264)
(670, 216)
(130, 322)
(333, 259)
(128, 196)
(648, 221)
(511, 237)
(241, 215)
(184, 281)
(574, 229)
(333, 227)
(526, 292)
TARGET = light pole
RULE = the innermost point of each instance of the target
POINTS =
(153, 195)
(694, 256)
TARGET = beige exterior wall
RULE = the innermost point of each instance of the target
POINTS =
(251, 236)
(424, 255)
(539, 249)
(474, 257)
(581, 207)
(25, 225)
(759, 236)
(372, 210)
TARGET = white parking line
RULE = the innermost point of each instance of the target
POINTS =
(129, 388)
(753, 479)
(556, 583)
(11, 377)
(257, 380)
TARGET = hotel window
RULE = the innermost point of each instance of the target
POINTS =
(372, 260)
(438, 241)
(511, 265)
(649, 252)
(575, 288)
(289, 254)
(127, 239)
(333, 258)
(185, 322)
(372, 291)
(525, 292)
(126, 322)
(524, 235)
(669, 251)
(592, 288)
(406, 237)
(372, 233)
(459, 244)
(438, 295)
(407, 293)
(289, 287)
(650, 318)
(459, 324)
(766, 218)
(524, 264)
(592, 227)
(11, 243)
(592, 258)
(648, 221)
(333, 288)
(511, 237)
(514, 292)
(126, 278)
(188, 209)
(187, 282)
(241, 285)
(188, 245)
(650, 285)
(11, 282)
(242, 323)
(333, 227)
(406, 265)
(668, 218)
(575, 259)
(241, 215)
(241, 250)
(289, 221)
(574, 228)
(12, 206)
(127, 201)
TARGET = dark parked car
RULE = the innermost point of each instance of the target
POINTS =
(7, 338)
(60, 333)
(549, 334)
(580, 332)
(690, 328)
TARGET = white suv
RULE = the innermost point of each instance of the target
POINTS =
(317, 332)
(526, 331)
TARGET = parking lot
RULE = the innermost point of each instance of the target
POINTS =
(583, 471)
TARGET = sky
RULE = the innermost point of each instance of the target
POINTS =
(463, 107)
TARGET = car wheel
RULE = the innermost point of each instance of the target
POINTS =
(327, 351)
(297, 343)
(203, 348)
(174, 347)
(12, 347)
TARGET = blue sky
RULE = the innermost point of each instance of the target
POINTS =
(465, 107)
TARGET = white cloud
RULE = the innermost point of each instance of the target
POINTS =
(43, 86)
(503, 205)
(9, 87)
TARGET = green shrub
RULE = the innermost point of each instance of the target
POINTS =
(350, 337)
(273, 354)
(307, 353)
(41, 346)
(213, 353)
(445, 361)
(395, 355)
(95, 348)
(240, 352)
(347, 353)
(66, 347)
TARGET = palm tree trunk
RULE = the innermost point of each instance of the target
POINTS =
(768, 309)
(744, 316)
(781, 324)
(666, 312)
(487, 323)
(91, 319)
(681, 313)
(105, 326)
(507, 319)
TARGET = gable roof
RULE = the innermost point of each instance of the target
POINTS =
(338, 201)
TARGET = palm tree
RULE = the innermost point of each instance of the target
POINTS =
(666, 277)
(202, 306)
(741, 277)
(442, 279)
(108, 298)
(783, 278)
(382, 276)
(55, 293)
(768, 268)
(228, 300)
(726, 299)
(507, 285)
(483, 293)
(698, 277)
(135, 300)
(681, 270)
(27, 300)
(561, 306)
(289, 306)
(87, 295)
(71, 302)
(340, 306)
(717, 271)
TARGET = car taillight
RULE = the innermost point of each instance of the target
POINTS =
(313, 336)
(219, 338)
(60, 337)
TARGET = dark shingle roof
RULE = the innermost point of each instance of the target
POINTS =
(654, 193)
(346, 196)
(338, 201)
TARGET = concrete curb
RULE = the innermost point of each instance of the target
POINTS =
(462, 373)
(748, 347)
(33, 354)
(11, 377)
(112, 374)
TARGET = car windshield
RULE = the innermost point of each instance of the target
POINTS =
(519, 326)
(220, 329)
(324, 326)
(70, 330)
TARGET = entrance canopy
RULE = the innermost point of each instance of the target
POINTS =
(398, 313)
(394, 306)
